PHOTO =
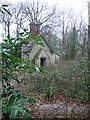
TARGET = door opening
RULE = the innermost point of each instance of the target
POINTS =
(42, 62)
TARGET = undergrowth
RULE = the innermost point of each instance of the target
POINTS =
(70, 81)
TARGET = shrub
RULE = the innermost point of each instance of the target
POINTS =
(69, 81)
(13, 101)
(49, 92)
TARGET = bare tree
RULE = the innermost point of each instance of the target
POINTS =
(83, 36)
(16, 18)
(19, 18)
(63, 25)
(6, 21)
(38, 13)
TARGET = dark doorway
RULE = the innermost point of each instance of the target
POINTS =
(42, 62)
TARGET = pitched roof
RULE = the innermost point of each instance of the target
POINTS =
(49, 45)
(30, 45)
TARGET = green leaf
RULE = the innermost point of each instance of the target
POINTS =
(11, 99)
(31, 100)
(14, 112)
(20, 100)
(21, 33)
(25, 113)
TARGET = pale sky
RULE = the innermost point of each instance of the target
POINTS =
(79, 6)
(65, 2)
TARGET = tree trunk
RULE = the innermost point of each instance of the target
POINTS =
(89, 54)
(8, 27)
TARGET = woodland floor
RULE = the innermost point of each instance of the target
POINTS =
(58, 107)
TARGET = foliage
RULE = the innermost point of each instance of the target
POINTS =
(72, 45)
(75, 82)
(70, 81)
(49, 92)
(14, 105)
(13, 100)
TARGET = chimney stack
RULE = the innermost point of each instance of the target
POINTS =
(35, 29)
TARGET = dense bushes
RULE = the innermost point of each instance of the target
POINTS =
(70, 81)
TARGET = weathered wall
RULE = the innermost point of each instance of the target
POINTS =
(45, 52)
(34, 51)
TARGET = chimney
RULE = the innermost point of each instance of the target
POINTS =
(35, 29)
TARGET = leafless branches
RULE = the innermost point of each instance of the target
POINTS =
(38, 13)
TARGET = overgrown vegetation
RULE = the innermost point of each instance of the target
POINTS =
(69, 81)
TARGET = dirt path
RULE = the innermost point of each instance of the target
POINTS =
(60, 110)
(58, 107)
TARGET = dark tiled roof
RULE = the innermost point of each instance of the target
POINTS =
(49, 45)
